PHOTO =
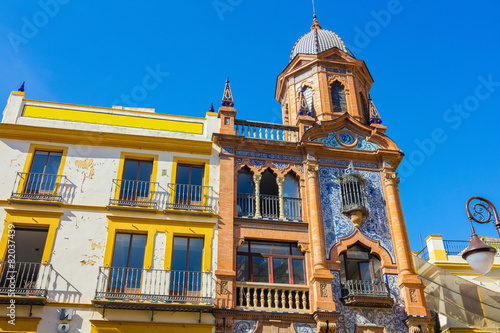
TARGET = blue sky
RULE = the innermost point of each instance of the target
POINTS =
(435, 65)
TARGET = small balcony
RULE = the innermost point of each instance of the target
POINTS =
(272, 297)
(366, 293)
(266, 131)
(269, 207)
(191, 198)
(38, 186)
(154, 289)
(26, 282)
(134, 193)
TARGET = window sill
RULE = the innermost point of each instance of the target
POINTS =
(34, 202)
(24, 299)
(133, 208)
(369, 301)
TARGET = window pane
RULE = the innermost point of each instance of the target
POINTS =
(120, 254)
(296, 251)
(376, 268)
(280, 270)
(53, 163)
(182, 174)
(137, 251)
(357, 252)
(291, 187)
(352, 270)
(298, 271)
(145, 169)
(364, 268)
(195, 254)
(196, 175)
(242, 268)
(243, 247)
(245, 183)
(343, 277)
(130, 170)
(179, 254)
(272, 248)
(260, 269)
(39, 160)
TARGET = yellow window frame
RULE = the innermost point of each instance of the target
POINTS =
(28, 218)
(191, 161)
(137, 156)
(29, 160)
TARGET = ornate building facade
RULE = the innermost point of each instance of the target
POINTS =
(311, 232)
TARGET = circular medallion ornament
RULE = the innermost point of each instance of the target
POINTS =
(347, 139)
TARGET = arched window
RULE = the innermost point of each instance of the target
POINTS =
(269, 195)
(309, 96)
(245, 193)
(339, 101)
(291, 198)
(358, 264)
(364, 108)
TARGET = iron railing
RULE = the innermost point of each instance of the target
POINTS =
(38, 186)
(134, 193)
(245, 204)
(24, 279)
(155, 285)
(373, 288)
(272, 297)
(455, 247)
(424, 254)
(269, 207)
(266, 131)
(191, 197)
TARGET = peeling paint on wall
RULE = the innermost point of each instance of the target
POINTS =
(84, 163)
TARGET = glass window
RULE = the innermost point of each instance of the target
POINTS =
(291, 187)
(189, 181)
(339, 101)
(189, 174)
(135, 179)
(187, 254)
(43, 172)
(271, 262)
(245, 183)
(128, 259)
(358, 264)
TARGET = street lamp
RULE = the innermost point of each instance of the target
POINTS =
(479, 255)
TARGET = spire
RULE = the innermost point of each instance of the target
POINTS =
(227, 97)
(374, 115)
(303, 107)
(211, 107)
(315, 25)
(21, 88)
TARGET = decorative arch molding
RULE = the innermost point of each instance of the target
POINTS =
(279, 169)
(374, 246)
(340, 80)
(349, 122)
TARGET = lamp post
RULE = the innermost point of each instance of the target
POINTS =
(479, 255)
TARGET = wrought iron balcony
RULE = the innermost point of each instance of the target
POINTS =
(143, 288)
(38, 186)
(272, 297)
(134, 193)
(191, 197)
(366, 293)
(27, 282)
(266, 131)
(269, 207)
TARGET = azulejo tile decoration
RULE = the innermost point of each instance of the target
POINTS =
(304, 327)
(336, 225)
(350, 316)
(270, 156)
(258, 163)
(331, 141)
(346, 163)
(244, 326)
(280, 166)
(227, 150)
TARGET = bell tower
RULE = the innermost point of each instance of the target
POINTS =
(323, 72)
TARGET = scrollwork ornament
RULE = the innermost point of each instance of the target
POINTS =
(304, 247)
(323, 288)
(481, 211)
(321, 327)
(391, 178)
(312, 170)
(413, 296)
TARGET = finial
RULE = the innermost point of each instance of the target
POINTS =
(303, 107)
(315, 24)
(211, 107)
(227, 97)
(21, 88)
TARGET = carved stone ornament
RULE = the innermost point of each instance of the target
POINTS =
(238, 242)
(413, 296)
(312, 170)
(280, 181)
(304, 247)
(391, 178)
(323, 288)
(224, 289)
(219, 325)
(323, 327)
(257, 178)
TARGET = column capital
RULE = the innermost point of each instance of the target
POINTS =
(312, 170)
(280, 181)
(391, 178)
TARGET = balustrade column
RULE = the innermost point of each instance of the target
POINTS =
(256, 180)
(280, 181)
